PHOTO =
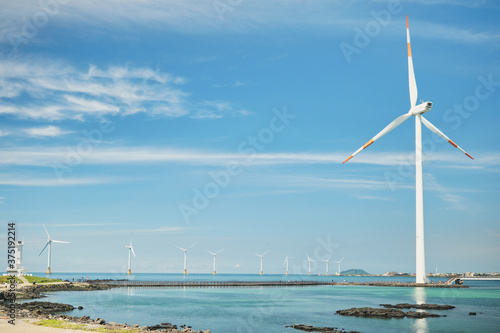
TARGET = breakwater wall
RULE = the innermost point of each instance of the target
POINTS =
(235, 284)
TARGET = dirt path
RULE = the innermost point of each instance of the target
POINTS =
(23, 326)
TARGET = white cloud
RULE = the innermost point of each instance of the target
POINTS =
(50, 131)
(2, 199)
(46, 156)
(57, 91)
(14, 180)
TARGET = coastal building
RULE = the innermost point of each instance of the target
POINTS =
(17, 268)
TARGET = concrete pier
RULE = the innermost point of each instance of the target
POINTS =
(233, 284)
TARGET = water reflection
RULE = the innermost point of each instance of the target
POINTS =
(420, 325)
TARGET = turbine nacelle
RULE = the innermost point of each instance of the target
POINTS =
(421, 108)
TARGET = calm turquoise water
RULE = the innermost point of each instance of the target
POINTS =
(269, 309)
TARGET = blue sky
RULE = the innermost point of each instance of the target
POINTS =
(115, 117)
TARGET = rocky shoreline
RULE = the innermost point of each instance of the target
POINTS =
(37, 291)
(48, 311)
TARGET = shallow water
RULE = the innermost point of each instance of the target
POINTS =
(270, 309)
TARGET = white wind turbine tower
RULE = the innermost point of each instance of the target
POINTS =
(309, 262)
(261, 256)
(130, 249)
(416, 111)
(338, 262)
(185, 256)
(327, 264)
(215, 254)
(49, 244)
(286, 263)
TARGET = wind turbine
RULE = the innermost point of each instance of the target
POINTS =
(261, 256)
(130, 249)
(286, 263)
(309, 261)
(215, 254)
(49, 244)
(338, 262)
(416, 111)
(185, 256)
(327, 264)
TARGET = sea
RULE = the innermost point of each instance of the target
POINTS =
(272, 309)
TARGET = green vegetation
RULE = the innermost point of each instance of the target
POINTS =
(7, 278)
(354, 272)
(59, 323)
(38, 279)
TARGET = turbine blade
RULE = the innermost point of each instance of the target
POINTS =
(56, 241)
(219, 251)
(395, 123)
(132, 250)
(329, 258)
(44, 248)
(441, 134)
(180, 248)
(265, 253)
(191, 246)
(411, 73)
(284, 262)
(211, 253)
(46, 231)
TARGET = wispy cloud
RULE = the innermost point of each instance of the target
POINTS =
(257, 194)
(46, 156)
(82, 224)
(2, 199)
(47, 131)
(16, 180)
(51, 90)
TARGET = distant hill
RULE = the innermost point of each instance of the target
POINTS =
(354, 272)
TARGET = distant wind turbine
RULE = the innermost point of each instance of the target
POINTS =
(130, 249)
(261, 256)
(309, 262)
(185, 256)
(286, 263)
(49, 244)
(327, 264)
(338, 262)
(215, 254)
(417, 111)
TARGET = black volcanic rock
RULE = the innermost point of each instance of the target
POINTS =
(385, 313)
(419, 306)
(44, 307)
(310, 328)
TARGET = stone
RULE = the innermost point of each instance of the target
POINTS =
(310, 328)
(384, 313)
(419, 306)
(100, 321)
